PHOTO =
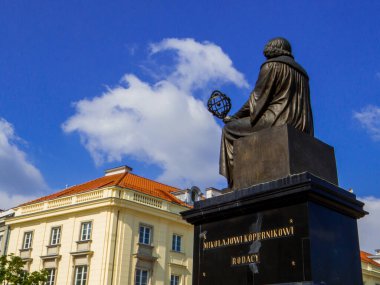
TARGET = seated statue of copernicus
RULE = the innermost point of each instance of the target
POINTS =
(281, 96)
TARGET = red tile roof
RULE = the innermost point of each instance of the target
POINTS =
(364, 257)
(124, 180)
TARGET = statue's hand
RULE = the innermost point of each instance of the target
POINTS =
(228, 119)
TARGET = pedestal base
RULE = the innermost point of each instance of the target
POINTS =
(278, 152)
(296, 230)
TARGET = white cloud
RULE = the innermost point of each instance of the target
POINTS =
(8, 201)
(18, 177)
(199, 63)
(162, 123)
(369, 118)
(369, 226)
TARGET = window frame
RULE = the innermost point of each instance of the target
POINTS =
(49, 281)
(87, 235)
(142, 239)
(138, 281)
(173, 280)
(58, 238)
(175, 239)
(84, 271)
(30, 241)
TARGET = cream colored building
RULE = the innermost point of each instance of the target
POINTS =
(117, 229)
(4, 230)
(370, 268)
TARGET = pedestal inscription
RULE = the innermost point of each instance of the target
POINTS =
(260, 248)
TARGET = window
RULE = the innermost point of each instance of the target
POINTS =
(50, 277)
(174, 279)
(176, 243)
(80, 275)
(27, 240)
(55, 236)
(145, 234)
(86, 231)
(141, 277)
(1, 240)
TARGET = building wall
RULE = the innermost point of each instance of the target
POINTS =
(114, 242)
(3, 237)
(70, 227)
(371, 274)
(168, 262)
(4, 231)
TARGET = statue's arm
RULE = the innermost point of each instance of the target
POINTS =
(243, 112)
(263, 91)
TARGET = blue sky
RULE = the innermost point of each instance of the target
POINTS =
(89, 85)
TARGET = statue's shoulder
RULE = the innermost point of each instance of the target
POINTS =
(288, 60)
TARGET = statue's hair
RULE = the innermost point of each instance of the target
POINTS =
(277, 47)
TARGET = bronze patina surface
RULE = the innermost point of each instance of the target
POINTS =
(281, 96)
(278, 152)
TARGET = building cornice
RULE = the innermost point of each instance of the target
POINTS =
(370, 270)
(104, 197)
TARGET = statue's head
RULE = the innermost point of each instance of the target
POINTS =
(277, 47)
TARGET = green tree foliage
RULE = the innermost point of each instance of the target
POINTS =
(12, 272)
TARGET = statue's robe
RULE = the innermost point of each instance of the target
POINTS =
(281, 96)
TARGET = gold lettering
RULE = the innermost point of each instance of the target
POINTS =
(249, 237)
(245, 259)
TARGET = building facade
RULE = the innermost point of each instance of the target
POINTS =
(117, 229)
(4, 230)
(370, 268)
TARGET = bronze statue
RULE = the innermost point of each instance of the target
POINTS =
(281, 96)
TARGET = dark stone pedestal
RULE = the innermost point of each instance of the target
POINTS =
(295, 230)
(278, 152)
